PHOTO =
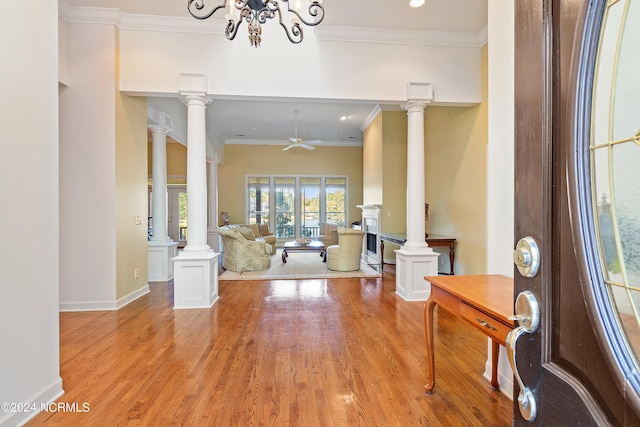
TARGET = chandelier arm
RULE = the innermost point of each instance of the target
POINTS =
(196, 6)
(315, 9)
(231, 29)
(296, 35)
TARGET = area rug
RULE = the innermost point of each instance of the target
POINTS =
(299, 266)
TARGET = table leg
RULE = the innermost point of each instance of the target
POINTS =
(428, 327)
(452, 256)
(495, 351)
(381, 254)
(284, 256)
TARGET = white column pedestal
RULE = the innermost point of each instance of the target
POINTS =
(214, 240)
(160, 264)
(196, 280)
(411, 267)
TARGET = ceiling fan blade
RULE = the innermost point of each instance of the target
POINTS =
(294, 140)
(308, 147)
(288, 147)
(313, 141)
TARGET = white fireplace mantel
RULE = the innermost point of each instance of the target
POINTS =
(371, 223)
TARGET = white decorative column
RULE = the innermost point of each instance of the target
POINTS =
(161, 248)
(415, 259)
(196, 268)
(213, 238)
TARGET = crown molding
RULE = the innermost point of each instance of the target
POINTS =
(393, 36)
(89, 15)
(370, 118)
(284, 143)
(175, 24)
(171, 24)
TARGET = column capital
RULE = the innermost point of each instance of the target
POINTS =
(214, 160)
(413, 106)
(159, 129)
(195, 98)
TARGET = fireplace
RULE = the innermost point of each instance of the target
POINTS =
(371, 226)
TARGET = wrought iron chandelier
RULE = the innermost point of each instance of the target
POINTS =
(256, 13)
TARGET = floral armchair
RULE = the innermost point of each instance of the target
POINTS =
(242, 252)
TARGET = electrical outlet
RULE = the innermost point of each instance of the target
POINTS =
(388, 214)
(136, 274)
(137, 220)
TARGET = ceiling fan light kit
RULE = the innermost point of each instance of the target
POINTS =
(256, 13)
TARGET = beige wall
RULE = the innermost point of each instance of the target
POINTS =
(131, 194)
(372, 163)
(240, 160)
(456, 176)
(394, 170)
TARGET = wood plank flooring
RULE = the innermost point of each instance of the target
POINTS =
(344, 352)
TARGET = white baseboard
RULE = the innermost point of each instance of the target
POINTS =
(132, 296)
(103, 305)
(41, 399)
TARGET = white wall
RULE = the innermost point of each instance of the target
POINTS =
(29, 329)
(500, 159)
(500, 152)
(153, 57)
(87, 170)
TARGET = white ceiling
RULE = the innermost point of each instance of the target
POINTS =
(272, 121)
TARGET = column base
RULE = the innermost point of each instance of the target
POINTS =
(196, 280)
(160, 264)
(411, 267)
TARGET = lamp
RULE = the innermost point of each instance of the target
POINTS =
(256, 13)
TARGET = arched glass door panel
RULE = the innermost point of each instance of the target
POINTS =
(608, 188)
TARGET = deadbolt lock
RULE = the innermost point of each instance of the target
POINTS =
(526, 257)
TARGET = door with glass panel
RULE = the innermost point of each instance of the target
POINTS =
(258, 193)
(285, 208)
(309, 207)
(177, 214)
(577, 144)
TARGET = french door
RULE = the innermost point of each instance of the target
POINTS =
(177, 214)
(577, 176)
(294, 206)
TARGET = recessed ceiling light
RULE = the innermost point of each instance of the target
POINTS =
(343, 118)
(416, 3)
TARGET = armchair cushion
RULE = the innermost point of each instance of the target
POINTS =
(345, 256)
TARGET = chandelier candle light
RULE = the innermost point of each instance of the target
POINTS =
(256, 13)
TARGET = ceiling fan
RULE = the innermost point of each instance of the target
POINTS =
(298, 142)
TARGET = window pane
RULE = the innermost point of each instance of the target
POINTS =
(336, 190)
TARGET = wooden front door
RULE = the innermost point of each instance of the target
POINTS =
(579, 364)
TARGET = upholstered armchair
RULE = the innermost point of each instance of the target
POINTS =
(328, 234)
(345, 256)
(242, 252)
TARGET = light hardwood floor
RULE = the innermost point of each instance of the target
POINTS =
(345, 352)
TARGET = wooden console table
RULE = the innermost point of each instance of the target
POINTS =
(432, 240)
(484, 301)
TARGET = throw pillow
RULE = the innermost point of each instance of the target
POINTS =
(246, 233)
(254, 229)
(264, 230)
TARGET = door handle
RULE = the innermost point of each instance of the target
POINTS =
(528, 317)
